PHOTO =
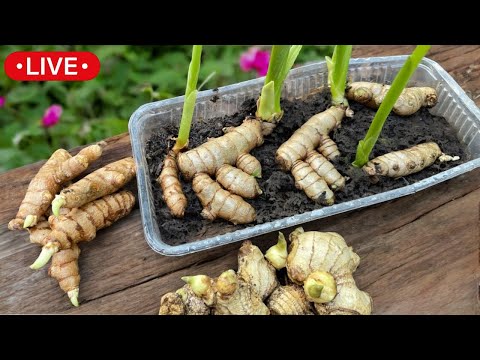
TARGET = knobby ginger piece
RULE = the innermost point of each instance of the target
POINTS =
(171, 304)
(249, 164)
(101, 182)
(324, 263)
(64, 269)
(311, 183)
(220, 203)
(171, 187)
(238, 182)
(194, 305)
(226, 149)
(409, 102)
(309, 137)
(289, 300)
(59, 168)
(349, 300)
(39, 232)
(405, 162)
(82, 224)
(325, 170)
(328, 148)
(244, 301)
(255, 270)
(314, 250)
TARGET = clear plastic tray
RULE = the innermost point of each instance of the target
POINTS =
(453, 104)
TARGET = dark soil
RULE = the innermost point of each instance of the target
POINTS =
(280, 198)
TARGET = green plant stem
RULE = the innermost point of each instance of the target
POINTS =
(190, 99)
(337, 73)
(282, 59)
(366, 145)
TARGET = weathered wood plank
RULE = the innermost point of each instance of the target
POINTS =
(134, 263)
(429, 274)
(120, 274)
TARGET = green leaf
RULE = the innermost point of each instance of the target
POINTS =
(282, 59)
(365, 147)
(186, 122)
(337, 73)
(24, 93)
(190, 99)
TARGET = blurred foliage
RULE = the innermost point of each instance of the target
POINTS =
(129, 77)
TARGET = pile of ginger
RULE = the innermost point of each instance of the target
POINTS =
(319, 280)
(59, 214)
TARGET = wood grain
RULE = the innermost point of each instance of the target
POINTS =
(419, 253)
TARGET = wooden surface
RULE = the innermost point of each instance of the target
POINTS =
(419, 254)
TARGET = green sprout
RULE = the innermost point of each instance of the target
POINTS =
(190, 99)
(337, 73)
(366, 145)
(281, 61)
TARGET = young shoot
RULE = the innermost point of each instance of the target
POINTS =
(281, 61)
(337, 73)
(190, 99)
(366, 145)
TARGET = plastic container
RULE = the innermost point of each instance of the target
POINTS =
(453, 104)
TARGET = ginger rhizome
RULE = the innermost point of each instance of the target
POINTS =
(64, 269)
(310, 176)
(307, 153)
(409, 102)
(217, 157)
(227, 149)
(405, 162)
(169, 182)
(220, 203)
(227, 158)
(310, 137)
(255, 270)
(81, 209)
(171, 187)
(238, 182)
(289, 300)
(311, 183)
(323, 263)
(104, 181)
(82, 224)
(319, 269)
(60, 168)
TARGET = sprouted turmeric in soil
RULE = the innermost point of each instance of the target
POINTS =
(409, 102)
(308, 151)
(405, 162)
(228, 158)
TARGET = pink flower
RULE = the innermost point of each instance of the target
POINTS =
(255, 59)
(52, 116)
(2, 101)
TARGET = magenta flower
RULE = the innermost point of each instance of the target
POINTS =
(255, 59)
(52, 116)
(2, 101)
